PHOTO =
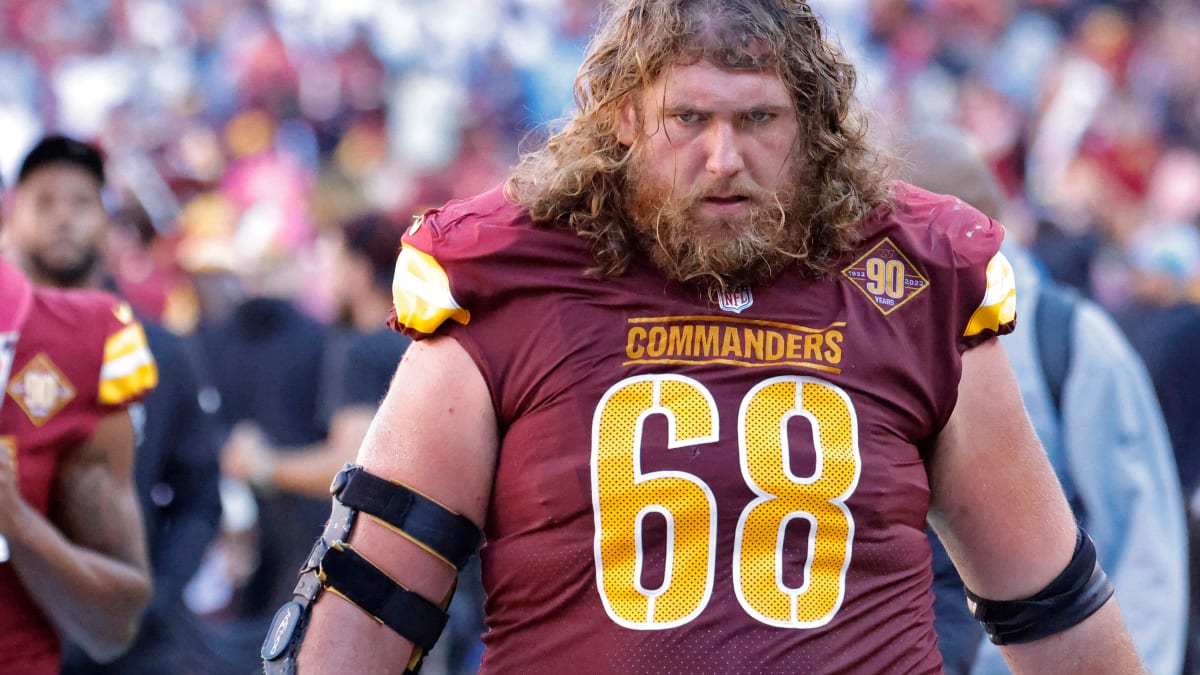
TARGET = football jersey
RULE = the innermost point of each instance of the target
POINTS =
(689, 484)
(80, 355)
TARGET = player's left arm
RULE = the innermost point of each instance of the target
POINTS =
(999, 509)
(87, 569)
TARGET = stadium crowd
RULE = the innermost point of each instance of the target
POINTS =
(1090, 105)
(240, 136)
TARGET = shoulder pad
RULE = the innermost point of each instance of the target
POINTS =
(997, 312)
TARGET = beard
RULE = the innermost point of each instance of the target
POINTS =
(721, 253)
(66, 274)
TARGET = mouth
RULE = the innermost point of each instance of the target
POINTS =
(723, 200)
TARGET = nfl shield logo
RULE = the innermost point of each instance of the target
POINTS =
(736, 300)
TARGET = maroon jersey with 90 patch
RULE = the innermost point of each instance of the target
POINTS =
(689, 484)
(79, 356)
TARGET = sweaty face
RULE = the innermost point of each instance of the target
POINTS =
(713, 177)
(58, 224)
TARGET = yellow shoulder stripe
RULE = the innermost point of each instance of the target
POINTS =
(999, 305)
(421, 293)
(128, 370)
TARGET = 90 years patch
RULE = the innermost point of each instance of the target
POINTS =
(886, 276)
(40, 389)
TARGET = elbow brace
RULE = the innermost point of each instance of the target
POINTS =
(1078, 591)
(335, 566)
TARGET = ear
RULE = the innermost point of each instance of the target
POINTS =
(628, 122)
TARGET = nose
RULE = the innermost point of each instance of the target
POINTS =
(724, 152)
(58, 218)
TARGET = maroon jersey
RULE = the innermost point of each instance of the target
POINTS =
(730, 485)
(79, 356)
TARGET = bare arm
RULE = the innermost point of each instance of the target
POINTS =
(87, 570)
(309, 472)
(437, 433)
(306, 471)
(1001, 513)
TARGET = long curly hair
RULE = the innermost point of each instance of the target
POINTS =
(577, 179)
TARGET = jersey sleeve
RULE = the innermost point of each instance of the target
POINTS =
(448, 264)
(127, 369)
(997, 311)
(422, 300)
(983, 298)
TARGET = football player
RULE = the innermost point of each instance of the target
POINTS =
(700, 371)
(73, 362)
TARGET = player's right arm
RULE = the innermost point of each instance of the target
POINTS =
(436, 433)
(87, 569)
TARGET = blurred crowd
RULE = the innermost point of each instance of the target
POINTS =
(1091, 109)
(236, 129)
(240, 128)
(238, 133)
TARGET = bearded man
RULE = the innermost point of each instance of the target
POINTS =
(700, 372)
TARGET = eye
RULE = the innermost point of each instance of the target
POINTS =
(687, 117)
(759, 116)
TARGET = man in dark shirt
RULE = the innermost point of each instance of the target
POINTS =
(358, 367)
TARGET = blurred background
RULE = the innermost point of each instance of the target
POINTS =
(240, 134)
(237, 128)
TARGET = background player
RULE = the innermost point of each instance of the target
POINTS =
(58, 230)
(68, 509)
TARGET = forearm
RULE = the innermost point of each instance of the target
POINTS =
(343, 638)
(1099, 644)
(309, 470)
(1006, 524)
(444, 450)
(94, 599)
(306, 471)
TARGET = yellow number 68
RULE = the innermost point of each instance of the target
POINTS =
(623, 495)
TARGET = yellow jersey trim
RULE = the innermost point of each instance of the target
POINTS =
(128, 370)
(999, 305)
(421, 293)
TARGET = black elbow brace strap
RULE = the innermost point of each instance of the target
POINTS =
(1077, 592)
(448, 535)
(335, 566)
(345, 572)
